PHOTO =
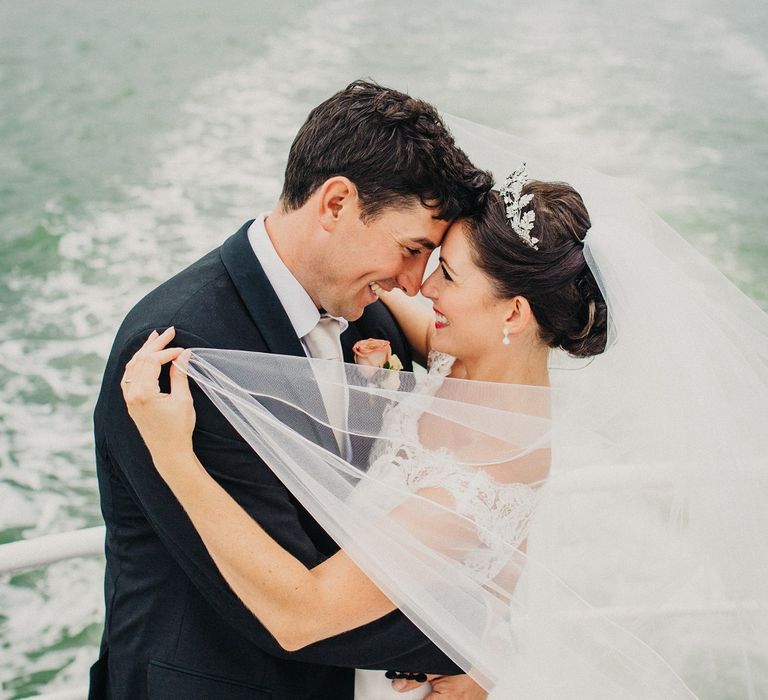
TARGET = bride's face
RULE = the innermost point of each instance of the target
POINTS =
(469, 319)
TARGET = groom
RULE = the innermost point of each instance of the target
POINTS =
(372, 182)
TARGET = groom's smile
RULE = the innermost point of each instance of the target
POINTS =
(390, 250)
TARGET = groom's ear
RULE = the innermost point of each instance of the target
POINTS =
(337, 200)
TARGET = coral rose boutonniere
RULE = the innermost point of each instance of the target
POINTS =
(376, 353)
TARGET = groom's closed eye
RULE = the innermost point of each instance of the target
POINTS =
(423, 245)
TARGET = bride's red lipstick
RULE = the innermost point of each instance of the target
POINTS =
(439, 324)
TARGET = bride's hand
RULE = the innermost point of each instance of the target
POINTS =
(165, 421)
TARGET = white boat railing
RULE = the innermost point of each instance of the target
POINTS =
(41, 551)
(27, 554)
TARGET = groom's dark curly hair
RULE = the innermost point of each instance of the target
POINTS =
(392, 146)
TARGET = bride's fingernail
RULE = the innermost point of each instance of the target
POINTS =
(399, 684)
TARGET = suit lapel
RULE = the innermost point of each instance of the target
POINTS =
(270, 318)
(257, 294)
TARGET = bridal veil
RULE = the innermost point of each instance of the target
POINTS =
(602, 538)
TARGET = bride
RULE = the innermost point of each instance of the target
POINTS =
(559, 526)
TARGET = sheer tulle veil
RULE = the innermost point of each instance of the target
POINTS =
(606, 537)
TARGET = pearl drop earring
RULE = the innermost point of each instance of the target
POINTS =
(505, 340)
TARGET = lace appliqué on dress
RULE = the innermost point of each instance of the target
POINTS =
(440, 363)
(501, 511)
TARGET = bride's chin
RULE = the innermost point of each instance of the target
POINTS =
(439, 344)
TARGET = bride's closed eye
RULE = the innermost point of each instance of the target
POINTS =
(446, 276)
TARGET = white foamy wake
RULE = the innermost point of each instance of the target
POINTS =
(222, 165)
(555, 74)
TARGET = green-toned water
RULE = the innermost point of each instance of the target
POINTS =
(136, 136)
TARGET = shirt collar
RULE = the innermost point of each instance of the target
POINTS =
(298, 305)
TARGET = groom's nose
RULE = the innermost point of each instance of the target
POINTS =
(409, 279)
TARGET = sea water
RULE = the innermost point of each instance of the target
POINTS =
(134, 137)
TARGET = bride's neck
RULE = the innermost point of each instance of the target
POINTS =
(511, 365)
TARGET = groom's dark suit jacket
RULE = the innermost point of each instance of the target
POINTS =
(174, 629)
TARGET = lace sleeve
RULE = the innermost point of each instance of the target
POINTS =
(495, 513)
(501, 512)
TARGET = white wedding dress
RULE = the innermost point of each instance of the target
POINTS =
(498, 507)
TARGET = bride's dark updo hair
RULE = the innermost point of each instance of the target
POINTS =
(555, 279)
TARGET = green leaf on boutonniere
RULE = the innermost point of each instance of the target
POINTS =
(393, 363)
